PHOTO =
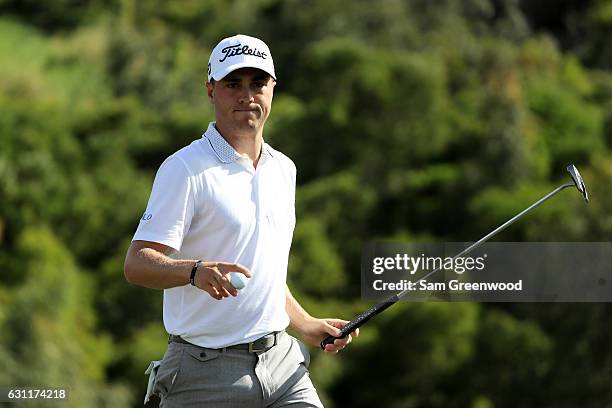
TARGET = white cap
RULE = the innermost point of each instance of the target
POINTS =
(239, 51)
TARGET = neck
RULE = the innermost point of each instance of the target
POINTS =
(247, 142)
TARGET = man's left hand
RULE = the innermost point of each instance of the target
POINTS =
(315, 330)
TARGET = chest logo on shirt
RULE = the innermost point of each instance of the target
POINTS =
(146, 216)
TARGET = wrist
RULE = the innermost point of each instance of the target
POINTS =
(194, 271)
(301, 323)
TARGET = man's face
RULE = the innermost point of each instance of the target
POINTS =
(242, 99)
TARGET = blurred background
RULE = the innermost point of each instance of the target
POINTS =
(409, 120)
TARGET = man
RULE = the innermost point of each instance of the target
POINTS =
(225, 204)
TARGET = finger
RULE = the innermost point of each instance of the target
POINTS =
(212, 291)
(330, 348)
(232, 291)
(342, 343)
(222, 279)
(224, 292)
(220, 268)
(339, 323)
(222, 285)
(218, 286)
(227, 286)
(225, 267)
(331, 330)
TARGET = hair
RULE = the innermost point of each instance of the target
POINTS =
(212, 80)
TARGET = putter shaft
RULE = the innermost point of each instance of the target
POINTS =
(373, 311)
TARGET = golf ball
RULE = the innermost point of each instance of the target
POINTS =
(238, 280)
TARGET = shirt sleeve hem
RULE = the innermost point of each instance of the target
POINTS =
(152, 238)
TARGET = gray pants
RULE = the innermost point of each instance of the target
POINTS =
(192, 376)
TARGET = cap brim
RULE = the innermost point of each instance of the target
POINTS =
(217, 76)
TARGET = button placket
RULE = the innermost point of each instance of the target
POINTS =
(262, 194)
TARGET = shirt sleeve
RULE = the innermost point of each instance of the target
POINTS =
(170, 208)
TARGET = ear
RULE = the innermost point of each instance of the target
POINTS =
(210, 91)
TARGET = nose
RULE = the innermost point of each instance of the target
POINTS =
(246, 96)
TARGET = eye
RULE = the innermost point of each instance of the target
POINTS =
(232, 85)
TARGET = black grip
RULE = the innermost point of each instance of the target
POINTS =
(360, 320)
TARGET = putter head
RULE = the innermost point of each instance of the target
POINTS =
(573, 171)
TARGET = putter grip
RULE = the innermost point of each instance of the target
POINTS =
(360, 320)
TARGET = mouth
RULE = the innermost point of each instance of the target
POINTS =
(254, 109)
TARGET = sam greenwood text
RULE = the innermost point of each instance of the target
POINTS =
(452, 285)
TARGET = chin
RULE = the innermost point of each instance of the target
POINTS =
(250, 125)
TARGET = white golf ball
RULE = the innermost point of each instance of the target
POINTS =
(238, 280)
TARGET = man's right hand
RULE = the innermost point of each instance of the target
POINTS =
(212, 278)
(149, 264)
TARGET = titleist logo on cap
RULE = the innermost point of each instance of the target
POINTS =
(237, 52)
(239, 49)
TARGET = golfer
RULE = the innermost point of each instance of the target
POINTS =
(226, 203)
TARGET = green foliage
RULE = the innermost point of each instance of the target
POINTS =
(57, 15)
(494, 206)
(126, 307)
(330, 199)
(135, 354)
(566, 116)
(47, 326)
(599, 214)
(406, 120)
(315, 267)
(418, 345)
(66, 71)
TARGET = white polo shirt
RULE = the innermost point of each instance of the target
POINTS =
(209, 203)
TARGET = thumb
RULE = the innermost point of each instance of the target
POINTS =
(333, 331)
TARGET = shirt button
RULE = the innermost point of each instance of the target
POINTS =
(245, 161)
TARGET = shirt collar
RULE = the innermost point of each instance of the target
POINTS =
(224, 151)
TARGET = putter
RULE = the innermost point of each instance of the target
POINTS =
(373, 311)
